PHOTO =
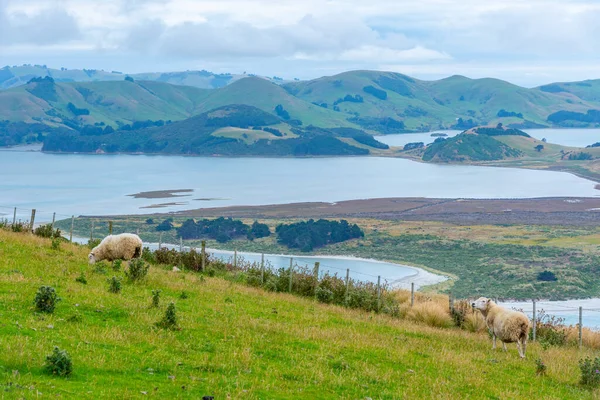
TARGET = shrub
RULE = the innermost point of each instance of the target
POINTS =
(81, 279)
(138, 269)
(474, 323)
(540, 367)
(166, 256)
(116, 265)
(46, 231)
(114, 285)
(191, 260)
(148, 255)
(155, 297)
(590, 371)
(59, 363)
(431, 314)
(20, 227)
(547, 276)
(550, 330)
(324, 295)
(93, 243)
(56, 244)
(46, 299)
(183, 295)
(150, 221)
(169, 320)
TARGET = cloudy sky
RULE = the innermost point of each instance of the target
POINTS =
(528, 42)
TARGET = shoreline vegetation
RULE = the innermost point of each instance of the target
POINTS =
(487, 249)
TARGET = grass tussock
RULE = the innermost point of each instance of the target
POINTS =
(432, 314)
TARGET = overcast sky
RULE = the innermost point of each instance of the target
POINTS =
(527, 42)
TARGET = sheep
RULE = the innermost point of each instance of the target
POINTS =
(507, 325)
(117, 247)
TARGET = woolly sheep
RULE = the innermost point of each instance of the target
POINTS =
(507, 325)
(117, 247)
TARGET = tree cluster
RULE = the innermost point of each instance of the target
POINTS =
(312, 234)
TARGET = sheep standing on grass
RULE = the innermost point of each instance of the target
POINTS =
(117, 247)
(507, 325)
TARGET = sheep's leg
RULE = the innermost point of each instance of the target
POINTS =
(523, 348)
(494, 342)
(519, 347)
(504, 346)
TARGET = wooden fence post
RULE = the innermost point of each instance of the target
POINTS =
(92, 231)
(347, 284)
(533, 334)
(53, 220)
(580, 327)
(412, 294)
(378, 293)
(235, 259)
(110, 227)
(137, 231)
(451, 303)
(316, 272)
(262, 268)
(71, 231)
(181, 244)
(14, 217)
(159, 240)
(32, 220)
(291, 273)
(203, 255)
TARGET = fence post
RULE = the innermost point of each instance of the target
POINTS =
(71, 231)
(378, 293)
(451, 303)
(533, 333)
(181, 244)
(92, 231)
(291, 273)
(412, 294)
(14, 217)
(53, 220)
(32, 219)
(316, 272)
(580, 327)
(235, 259)
(137, 231)
(262, 268)
(203, 254)
(159, 240)
(347, 283)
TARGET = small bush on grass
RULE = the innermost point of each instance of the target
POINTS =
(324, 295)
(590, 371)
(474, 323)
(100, 268)
(166, 256)
(183, 295)
(114, 285)
(148, 255)
(59, 363)
(93, 243)
(117, 265)
(138, 269)
(169, 320)
(46, 299)
(431, 314)
(81, 279)
(540, 367)
(46, 231)
(56, 243)
(550, 330)
(156, 298)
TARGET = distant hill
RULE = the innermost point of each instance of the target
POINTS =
(478, 144)
(228, 130)
(20, 75)
(373, 101)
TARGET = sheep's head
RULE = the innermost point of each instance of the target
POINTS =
(481, 303)
(91, 258)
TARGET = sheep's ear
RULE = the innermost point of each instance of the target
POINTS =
(488, 300)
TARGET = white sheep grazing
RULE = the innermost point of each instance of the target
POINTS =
(507, 325)
(117, 247)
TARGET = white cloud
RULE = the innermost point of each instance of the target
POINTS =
(387, 55)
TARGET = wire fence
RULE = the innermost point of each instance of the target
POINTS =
(99, 227)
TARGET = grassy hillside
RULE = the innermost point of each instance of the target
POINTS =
(239, 342)
(20, 75)
(227, 130)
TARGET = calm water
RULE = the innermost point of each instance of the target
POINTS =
(567, 310)
(99, 185)
(565, 137)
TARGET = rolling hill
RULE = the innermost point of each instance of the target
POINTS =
(237, 129)
(19, 75)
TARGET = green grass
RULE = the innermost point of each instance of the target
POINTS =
(239, 342)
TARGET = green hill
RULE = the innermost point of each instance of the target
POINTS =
(239, 341)
(20, 75)
(228, 130)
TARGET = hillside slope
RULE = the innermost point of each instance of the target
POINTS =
(239, 342)
(231, 130)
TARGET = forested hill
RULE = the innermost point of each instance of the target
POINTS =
(227, 131)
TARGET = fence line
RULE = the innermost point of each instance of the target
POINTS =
(292, 266)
